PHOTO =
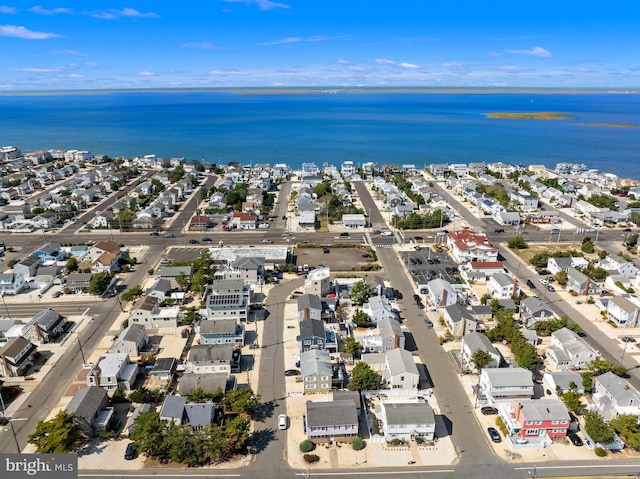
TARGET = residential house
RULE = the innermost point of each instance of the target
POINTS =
(318, 282)
(503, 286)
(505, 384)
(131, 422)
(316, 371)
(208, 382)
(244, 221)
(113, 371)
(581, 283)
(11, 283)
(506, 218)
(613, 396)
(537, 418)
(223, 331)
(173, 408)
(249, 269)
(441, 293)
(214, 358)
(28, 266)
(200, 223)
(331, 421)
(312, 335)
(354, 221)
(459, 320)
(473, 341)
(480, 271)
(79, 281)
(401, 371)
(466, 246)
(147, 311)
(379, 307)
(227, 299)
(309, 307)
(621, 311)
(533, 310)
(174, 274)
(163, 369)
(104, 246)
(561, 382)
(618, 265)
(16, 356)
(568, 350)
(50, 252)
(160, 289)
(525, 200)
(391, 335)
(132, 340)
(555, 265)
(89, 407)
(407, 420)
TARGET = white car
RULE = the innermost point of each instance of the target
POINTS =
(544, 281)
(282, 421)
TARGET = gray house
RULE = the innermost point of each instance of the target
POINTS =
(581, 283)
(533, 310)
(473, 341)
(316, 371)
(131, 340)
(459, 320)
(309, 307)
(330, 421)
(312, 335)
(89, 409)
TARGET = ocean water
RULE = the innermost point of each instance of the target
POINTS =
(418, 128)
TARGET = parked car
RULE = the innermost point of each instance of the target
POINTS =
(551, 288)
(266, 240)
(193, 241)
(325, 250)
(627, 230)
(488, 410)
(169, 235)
(575, 439)
(282, 421)
(494, 434)
(499, 230)
(291, 372)
(206, 239)
(129, 452)
(429, 323)
(530, 284)
(544, 281)
(344, 234)
(153, 233)
(56, 294)
(627, 339)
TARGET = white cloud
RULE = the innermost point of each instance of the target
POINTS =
(68, 52)
(409, 66)
(495, 54)
(113, 14)
(7, 9)
(261, 4)
(202, 45)
(145, 73)
(454, 65)
(342, 61)
(25, 33)
(533, 51)
(355, 68)
(49, 11)
(384, 61)
(227, 72)
(281, 41)
(38, 69)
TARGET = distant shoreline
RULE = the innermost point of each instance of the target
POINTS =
(543, 115)
(337, 91)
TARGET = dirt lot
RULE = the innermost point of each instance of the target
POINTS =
(338, 259)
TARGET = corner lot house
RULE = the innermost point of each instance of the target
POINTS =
(90, 411)
(331, 421)
(16, 356)
(537, 418)
(441, 293)
(568, 350)
(406, 420)
(113, 371)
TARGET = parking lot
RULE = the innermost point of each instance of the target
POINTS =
(425, 265)
(337, 259)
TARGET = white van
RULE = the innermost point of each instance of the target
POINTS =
(282, 421)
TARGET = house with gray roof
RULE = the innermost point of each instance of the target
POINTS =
(160, 289)
(581, 283)
(316, 371)
(131, 340)
(11, 283)
(312, 335)
(406, 420)
(172, 272)
(90, 411)
(505, 384)
(309, 307)
(560, 382)
(533, 310)
(173, 408)
(130, 426)
(163, 369)
(249, 269)
(473, 341)
(213, 358)
(227, 299)
(459, 320)
(401, 371)
(390, 334)
(503, 285)
(613, 396)
(569, 351)
(208, 382)
(379, 307)
(214, 331)
(331, 421)
(16, 356)
(441, 293)
(621, 311)
(28, 266)
(113, 371)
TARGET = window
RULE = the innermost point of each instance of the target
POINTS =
(310, 386)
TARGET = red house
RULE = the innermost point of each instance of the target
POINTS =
(538, 418)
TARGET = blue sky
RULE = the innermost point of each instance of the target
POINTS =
(93, 44)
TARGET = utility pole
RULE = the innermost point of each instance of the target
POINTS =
(81, 351)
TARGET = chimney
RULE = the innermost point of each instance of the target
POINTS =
(396, 344)
(515, 287)
(443, 301)
(305, 313)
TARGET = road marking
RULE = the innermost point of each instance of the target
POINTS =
(370, 473)
(156, 475)
(284, 454)
(590, 466)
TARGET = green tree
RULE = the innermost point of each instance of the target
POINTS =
(99, 283)
(361, 292)
(361, 319)
(587, 246)
(626, 426)
(357, 444)
(145, 395)
(527, 357)
(199, 395)
(182, 280)
(71, 264)
(242, 401)
(59, 435)
(132, 293)
(363, 378)
(561, 277)
(601, 366)
(480, 359)
(148, 434)
(597, 428)
(351, 345)
(571, 399)
(517, 242)
(587, 381)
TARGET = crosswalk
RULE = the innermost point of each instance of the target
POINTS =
(383, 245)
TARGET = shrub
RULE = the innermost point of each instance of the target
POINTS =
(311, 458)
(600, 451)
(307, 446)
(357, 444)
(502, 426)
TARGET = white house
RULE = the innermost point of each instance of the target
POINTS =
(441, 293)
(568, 350)
(613, 396)
(505, 384)
(406, 420)
(621, 311)
(401, 371)
(618, 265)
(473, 341)
(503, 286)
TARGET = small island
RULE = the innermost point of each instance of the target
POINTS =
(542, 115)
(612, 125)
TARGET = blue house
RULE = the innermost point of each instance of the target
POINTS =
(50, 252)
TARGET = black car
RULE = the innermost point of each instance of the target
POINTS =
(291, 372)
(575, 439)
(416, 298)
(153, 233)
(544, 272)
(498, 230)
(627, 339)
(627, 230)
(488, 411)
(397, 294)
(325, 250)
(193, 241)
(130, 452)
(206, 239)
(344, 234)
(530, 284)
(494, 434)
(436, 260)
(430, 261)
